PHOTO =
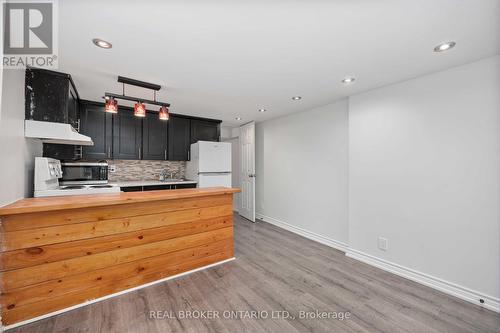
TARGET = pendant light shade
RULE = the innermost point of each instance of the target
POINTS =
(111, 105)
(164, 113)
(139, 110)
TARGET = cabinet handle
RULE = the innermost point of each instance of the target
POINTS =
(139, 152)
(109, 152)
(165, 154)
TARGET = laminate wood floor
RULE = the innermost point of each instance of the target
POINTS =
(279, 274)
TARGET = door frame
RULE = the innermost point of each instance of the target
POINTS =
(247, 176)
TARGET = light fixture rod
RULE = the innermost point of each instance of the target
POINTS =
(138, 83)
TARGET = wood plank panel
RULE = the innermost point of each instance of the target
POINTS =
(35, 205)
(53, 288)
(17, 314)
(47, 219)
(61, 251)
(64, 233)
(58, 252)
(36, 274)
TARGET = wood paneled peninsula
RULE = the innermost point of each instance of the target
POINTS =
(58, 252)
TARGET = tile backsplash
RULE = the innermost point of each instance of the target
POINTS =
(145, 170)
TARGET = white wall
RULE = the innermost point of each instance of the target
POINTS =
(17, 153)
(225, 132)
(301, 168)
(424, 171)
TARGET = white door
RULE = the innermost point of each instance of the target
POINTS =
(214, 156)
(247, 171)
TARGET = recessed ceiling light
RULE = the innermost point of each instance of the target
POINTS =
(262, 110)
(348, 79)
(296, 98)
(102, 43)
(238, 118)
(444, 46)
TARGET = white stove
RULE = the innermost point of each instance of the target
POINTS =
(47, 174)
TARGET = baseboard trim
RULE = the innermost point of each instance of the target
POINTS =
(304, 233)
(21, 323)
(464, 293)
(444, 286)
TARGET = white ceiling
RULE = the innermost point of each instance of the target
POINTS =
(224, 59)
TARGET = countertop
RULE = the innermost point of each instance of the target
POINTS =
(32, 205)
(127, 183)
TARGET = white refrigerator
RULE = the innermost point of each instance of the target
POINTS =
(210, 164)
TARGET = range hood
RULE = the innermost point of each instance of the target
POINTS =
(50, 132)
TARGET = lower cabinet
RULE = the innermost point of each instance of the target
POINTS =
(179, 186)
(131, 189)
(156, 187)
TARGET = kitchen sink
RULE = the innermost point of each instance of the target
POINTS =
(171, 180)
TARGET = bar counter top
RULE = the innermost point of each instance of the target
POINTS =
(33, 205)
(57, 253)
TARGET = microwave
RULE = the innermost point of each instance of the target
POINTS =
(84, 173)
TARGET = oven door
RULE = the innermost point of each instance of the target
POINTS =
(88, 173)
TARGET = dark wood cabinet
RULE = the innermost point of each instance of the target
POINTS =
(179, 186)
(97, 124)
(51, 96)
(154, 138)
(127, 135)
(204, 130)
(131, 189)
(156, 187)
(179, 129)
(124, 136)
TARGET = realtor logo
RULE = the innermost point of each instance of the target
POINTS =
(29, 34)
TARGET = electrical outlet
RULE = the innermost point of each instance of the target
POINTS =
(383, 243)
(112, 168)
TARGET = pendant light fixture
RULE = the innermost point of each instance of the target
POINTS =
(140, 110)
(111, 105)
(164, 115)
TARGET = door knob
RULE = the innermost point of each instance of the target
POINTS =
(252, 175)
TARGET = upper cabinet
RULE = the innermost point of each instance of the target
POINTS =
(154, 138)
(204, 130)
(51, 96)
(127, 135)
(97, 124)
(179, 129)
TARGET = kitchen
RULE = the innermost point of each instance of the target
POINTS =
(177, 217)
(120, 134)
(246, 166)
